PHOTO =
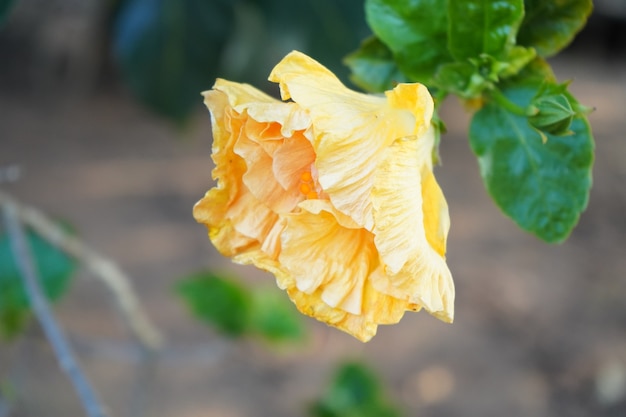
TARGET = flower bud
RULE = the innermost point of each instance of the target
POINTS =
(552, 114)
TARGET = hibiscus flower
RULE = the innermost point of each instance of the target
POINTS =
(333, 192)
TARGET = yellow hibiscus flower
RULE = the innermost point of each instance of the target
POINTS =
(333, 192)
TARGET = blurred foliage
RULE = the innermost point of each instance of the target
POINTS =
(217, 300)
(535, 164)
(5, 8)
(550, 26)
(171, 50)
(275, 317)
(55, 269)
(168, 50)
(223, 302)
(354, 392)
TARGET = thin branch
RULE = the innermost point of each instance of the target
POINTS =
(41, 308)
(104, 269)
(5, 408)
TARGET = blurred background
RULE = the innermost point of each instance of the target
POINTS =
(92, 132)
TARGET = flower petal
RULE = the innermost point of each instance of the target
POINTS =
(259, 178)
(230, 208)
(322, 255)
(262, 107)
(411, 224)
(326, 269)
(350, 128)
(293, 158)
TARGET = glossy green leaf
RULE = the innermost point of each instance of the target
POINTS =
(5, 8)
(543, 187)
(354, 392)
(415, 31)
(460, 78)
(516, 59)
(217, 300)
(469, 78)
(482, 26)
(169, 50)
(537, 72)
(373, 67)
(550, 25)
(54, 267)
(275, 318)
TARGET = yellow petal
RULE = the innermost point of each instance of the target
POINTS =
(326, 269)
(240, 96)
(226, 239)
(262, 107)
(321, 255)
(411, 224)
(350, 129)
(378, 308)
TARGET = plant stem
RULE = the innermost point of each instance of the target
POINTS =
(41, 308)
(504, 102)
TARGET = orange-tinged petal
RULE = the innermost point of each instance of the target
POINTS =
(230, 207)
(259, 180)
(350, 129)
(291, 160)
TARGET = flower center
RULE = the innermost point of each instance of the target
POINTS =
(307, 187)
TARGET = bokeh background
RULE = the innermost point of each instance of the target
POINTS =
(540, 330)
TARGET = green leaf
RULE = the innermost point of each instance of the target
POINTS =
(468, 79)
(54, 267)
(275, 317)
(217, 300)
(550, 25)
(373, 67)
(169, 50)
(478, 27)
(415, 31)
(5, 8)
(537, 72)
(517, 58)
(354, 392)
(543, 187)
(460, 78)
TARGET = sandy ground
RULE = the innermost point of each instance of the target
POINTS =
(540, 330)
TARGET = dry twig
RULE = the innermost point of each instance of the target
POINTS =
(104, 269)
(41, 308)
